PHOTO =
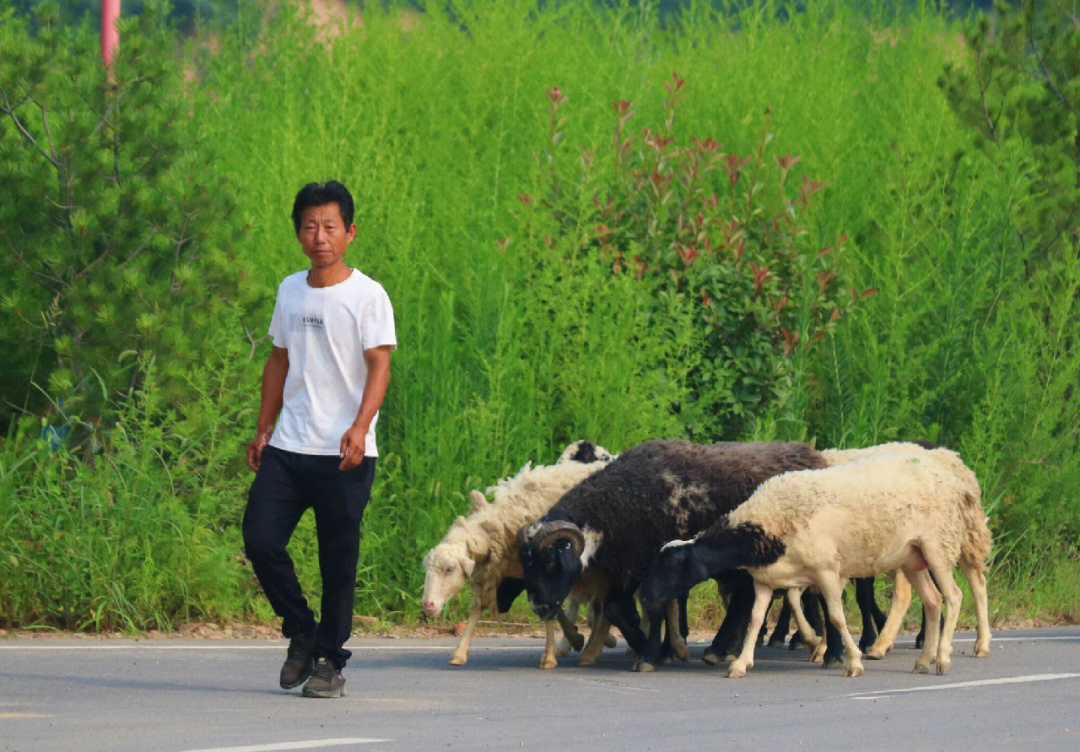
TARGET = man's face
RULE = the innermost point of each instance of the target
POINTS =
(323, 235)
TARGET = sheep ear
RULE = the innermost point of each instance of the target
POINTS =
(478, 501)
(467, 565)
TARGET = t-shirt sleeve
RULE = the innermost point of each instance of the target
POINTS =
(277, 322)
(377, 322)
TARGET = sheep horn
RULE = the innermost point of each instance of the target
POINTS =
(551, 533)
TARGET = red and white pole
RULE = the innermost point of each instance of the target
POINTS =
(110, 12)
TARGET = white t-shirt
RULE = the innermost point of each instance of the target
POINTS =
(326, 330)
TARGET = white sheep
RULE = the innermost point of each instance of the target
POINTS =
(908, 509)
(482, 548)
(901, 595)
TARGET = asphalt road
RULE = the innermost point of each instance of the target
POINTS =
(180, 695)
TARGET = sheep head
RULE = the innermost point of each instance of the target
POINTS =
(584, 451)
(551, 559)
(448, 568)
(672, 572)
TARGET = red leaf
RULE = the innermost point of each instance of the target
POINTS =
(868, 292)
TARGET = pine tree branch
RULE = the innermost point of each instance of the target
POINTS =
(9, 110)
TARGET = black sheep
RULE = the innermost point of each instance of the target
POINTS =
(617, 519)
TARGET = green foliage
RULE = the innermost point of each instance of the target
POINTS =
(119, 231)
(142, 536)
(1020, 91)
(516, 337)
(723, 234)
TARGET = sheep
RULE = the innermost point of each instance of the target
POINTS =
(482, 550)
(876, 646)
(813, 528)
(615, 521)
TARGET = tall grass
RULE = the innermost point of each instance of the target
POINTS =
(436, 123)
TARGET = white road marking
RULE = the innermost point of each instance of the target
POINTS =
(7, 716)
(963, 685)
(314, 743)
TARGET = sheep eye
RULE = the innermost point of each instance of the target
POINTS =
(450, 569)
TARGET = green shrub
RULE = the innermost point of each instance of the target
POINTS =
(721, 234)
(118, 226)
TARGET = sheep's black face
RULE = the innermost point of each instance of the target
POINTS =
(550, 573)
(671, 574)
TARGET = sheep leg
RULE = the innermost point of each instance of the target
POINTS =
(811, 606)
(570, 610)
(740, 587)
(548, 659)
(832, 591)
(977, 581)
(597, 640)
(921, 637)
(461, 654)
(873, 619)
(676, 640)
(684, 624)
(762, 599)
(783, 624)
(901, 601)
(594, 616)
(806, 632)
(931, 600)
(653, 653)
(620, 611)
(829, 650)
(953, 597)
(571, 636)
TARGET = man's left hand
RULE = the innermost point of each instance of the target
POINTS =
(352, 448)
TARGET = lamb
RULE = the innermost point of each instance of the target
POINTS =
(482, 550)
(616, 520)
(812, 528)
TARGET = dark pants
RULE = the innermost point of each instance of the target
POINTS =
(285, 486)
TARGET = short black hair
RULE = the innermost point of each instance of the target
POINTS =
(320, 194)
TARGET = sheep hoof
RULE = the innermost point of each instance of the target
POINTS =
(458, 660)
(943, 667)
(710, 657)
(981, 651)
(548, 663)
(681, 652)
(921, 667)
(778, 641)
(644, 667)
(875, 653)
(610, 641)
(817, 655)
(830, 662)
(736, 670)
(578, 642)
(853, 671)
(587, 660)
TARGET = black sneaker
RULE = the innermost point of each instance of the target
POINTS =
(299, 661)
(326, 681)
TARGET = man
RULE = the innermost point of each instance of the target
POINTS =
(333, 332)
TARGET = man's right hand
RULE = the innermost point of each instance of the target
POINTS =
(255, 449)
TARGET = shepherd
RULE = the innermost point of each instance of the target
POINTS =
(323, 384)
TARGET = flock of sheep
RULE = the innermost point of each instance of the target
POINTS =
(762, 519)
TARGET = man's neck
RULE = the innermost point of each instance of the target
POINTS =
(327, 276)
